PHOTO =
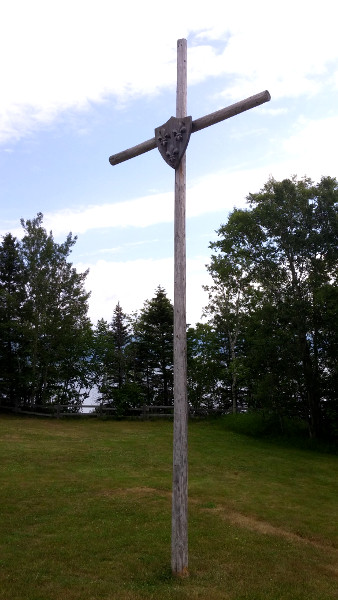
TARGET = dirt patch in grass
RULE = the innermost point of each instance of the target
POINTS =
(254, 524)
(234, 517)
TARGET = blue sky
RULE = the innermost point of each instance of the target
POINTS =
(83, 80)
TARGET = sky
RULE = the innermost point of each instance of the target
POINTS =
(81, 81)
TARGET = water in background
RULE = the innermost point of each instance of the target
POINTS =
(88, 405)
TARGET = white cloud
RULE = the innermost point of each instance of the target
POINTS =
(133, 282)
(15, 231)
(212, 193)
(274, 111)
(312, 139)
(309, 151)
(139, 212)
(71, 53)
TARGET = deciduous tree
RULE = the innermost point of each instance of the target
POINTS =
(285, 247)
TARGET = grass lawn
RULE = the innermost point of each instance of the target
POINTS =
(85, 514)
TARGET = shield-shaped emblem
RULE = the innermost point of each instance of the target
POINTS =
(172, 139)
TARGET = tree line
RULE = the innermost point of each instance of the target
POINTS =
(268, 341)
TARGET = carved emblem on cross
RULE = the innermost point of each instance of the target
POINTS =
(172, 139)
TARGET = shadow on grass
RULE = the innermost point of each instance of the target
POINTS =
(291, 433)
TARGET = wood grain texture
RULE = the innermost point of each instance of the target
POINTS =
(179, 544)
(116, 159)
(197, 125)
(230, 111)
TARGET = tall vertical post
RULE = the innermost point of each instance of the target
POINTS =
(179, 543)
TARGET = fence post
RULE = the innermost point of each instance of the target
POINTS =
(145, 412)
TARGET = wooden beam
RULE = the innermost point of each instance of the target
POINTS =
(179, 535)
(230, 111)
(131, 152)
(197, 125)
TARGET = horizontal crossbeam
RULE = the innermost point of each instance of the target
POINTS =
(202, 123)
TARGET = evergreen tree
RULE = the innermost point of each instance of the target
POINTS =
(12, 294)
(114, 365)
(153, 332)
(53, 331)
(103, 350)
(120, 331)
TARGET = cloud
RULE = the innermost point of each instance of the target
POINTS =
(133, 282)
(15, 231)
(68, 55)
(312, 138)
(139, 212)
(222, 190)
(309, 150)
(274, 111)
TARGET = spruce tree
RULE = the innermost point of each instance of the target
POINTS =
(154, 341)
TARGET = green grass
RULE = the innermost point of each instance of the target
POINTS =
(85, 514)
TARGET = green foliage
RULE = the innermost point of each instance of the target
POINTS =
(208, 389)
(45, 332)
(113, 364)
(133, 357)
(153, 340)
(262, 424)
(275, 294)
(270, 344)
(12, 295)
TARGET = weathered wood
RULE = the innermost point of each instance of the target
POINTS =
(179, 556)
(179, 539)
(230, 111)
(197, 125)
(131, 152)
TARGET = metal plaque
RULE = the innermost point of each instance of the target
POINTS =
(172, 139)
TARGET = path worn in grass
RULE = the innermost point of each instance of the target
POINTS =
(236, 518)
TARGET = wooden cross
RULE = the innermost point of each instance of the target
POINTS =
(172, 139)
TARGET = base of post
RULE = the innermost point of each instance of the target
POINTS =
(184, 573)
